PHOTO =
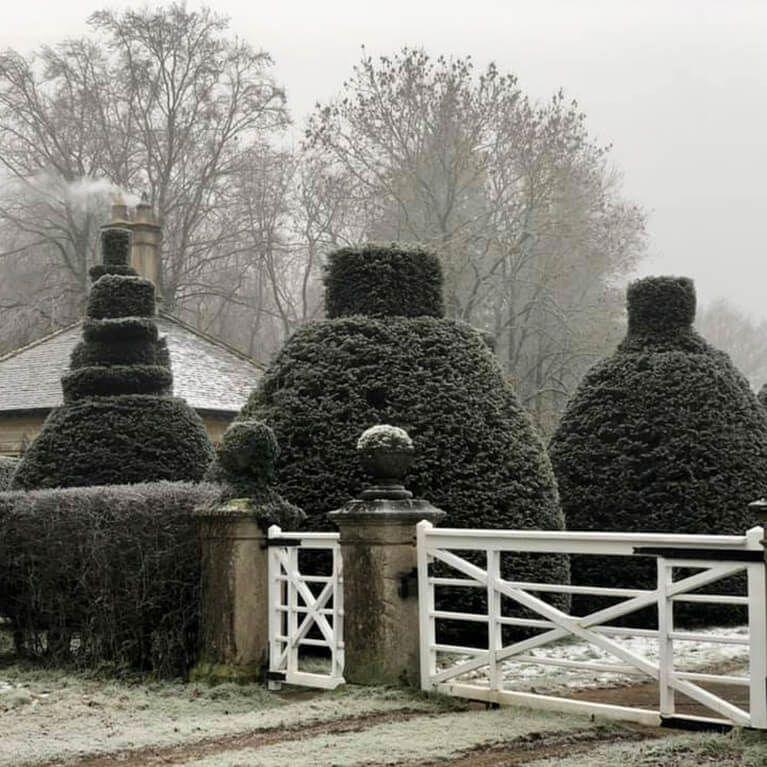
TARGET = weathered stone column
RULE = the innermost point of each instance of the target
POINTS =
(234, 611)
(378, 545)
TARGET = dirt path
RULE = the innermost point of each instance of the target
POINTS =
(647, 695)
(183, 753)
(537, 746)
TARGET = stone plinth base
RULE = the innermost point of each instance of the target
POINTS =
(234, 615)
(378, 545)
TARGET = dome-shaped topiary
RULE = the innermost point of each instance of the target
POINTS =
(249, 447)
(119, 423)
(663, 436)
(477, 455)
(383, 280)
(244, 466)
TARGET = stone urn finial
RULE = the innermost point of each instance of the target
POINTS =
(385, 453)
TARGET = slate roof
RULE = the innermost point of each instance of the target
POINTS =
(206, 372)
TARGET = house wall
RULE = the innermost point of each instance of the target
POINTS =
(16, 428)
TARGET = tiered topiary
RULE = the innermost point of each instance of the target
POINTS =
(244, 467)
(663, 436)
(118, 424)
(386, 355)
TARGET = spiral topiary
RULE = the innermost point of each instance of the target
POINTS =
(664, 436)
(384, 357)
(118, 424)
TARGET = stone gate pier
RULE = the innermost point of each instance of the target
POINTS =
(378, 545)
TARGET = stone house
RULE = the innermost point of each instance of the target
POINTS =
(213, 377)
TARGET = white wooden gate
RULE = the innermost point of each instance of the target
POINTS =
(304, 610)
(714, 557)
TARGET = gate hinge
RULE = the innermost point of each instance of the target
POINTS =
(408, 584)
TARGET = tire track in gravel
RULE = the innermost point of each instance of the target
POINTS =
(536, 746)
(184, 752)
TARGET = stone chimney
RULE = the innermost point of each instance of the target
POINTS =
(146, 237)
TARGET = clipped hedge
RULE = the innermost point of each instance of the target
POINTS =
(130, 352)
(119, 423)
(244, 468)
(383, 280)
(115, 380)
(104, 576)
(762, 396)
(99, 270)
(109, 331)
(663, 436)
(115, 247)
(118, 296)
(477, 455)
(116, 440)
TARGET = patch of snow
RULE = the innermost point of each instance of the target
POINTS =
(694, 655)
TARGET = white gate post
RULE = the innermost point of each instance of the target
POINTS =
(757, 626)
(665, 642)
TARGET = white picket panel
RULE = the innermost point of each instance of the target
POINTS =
(715, 556)
(295, 608)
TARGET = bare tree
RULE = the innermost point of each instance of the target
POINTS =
(515, 197)
(734, 332)
(160, 101)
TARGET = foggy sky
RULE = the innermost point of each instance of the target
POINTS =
(678, 87)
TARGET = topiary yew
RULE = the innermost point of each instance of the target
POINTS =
(477, 455)
(244, 467)
(663, 436)
(119, 424)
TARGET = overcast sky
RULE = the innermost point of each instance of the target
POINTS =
(679, 87)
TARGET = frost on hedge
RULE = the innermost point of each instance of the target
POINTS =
(244, 467)
(119, 423)
(384, 437)
(117, 567)
(663, 436)
(477, 455)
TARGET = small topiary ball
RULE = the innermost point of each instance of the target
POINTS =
(660, 304)
(385, 437)
(249, 447)
(384, 281)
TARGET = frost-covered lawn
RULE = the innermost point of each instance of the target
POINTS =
(738, 749)
(51, 717)
(49, 714)
(689, 656)
(427, 739)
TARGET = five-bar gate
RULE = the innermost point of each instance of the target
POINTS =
(711, 557)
